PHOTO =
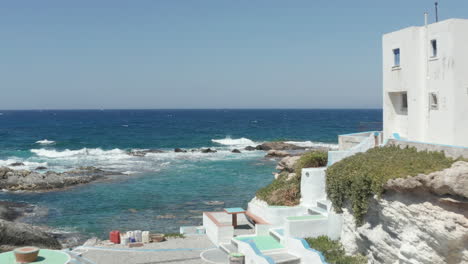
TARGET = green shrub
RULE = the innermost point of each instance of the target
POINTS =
(333, 251)
(288, 192)
(174, 235)
(313, 159)
(359, 177)
(281, 191)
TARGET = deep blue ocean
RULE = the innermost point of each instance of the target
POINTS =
(161, 191)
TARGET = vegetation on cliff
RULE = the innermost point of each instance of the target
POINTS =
(313, 159)
(286, 189)
(359, 177)
(333, 251)
(282, 191)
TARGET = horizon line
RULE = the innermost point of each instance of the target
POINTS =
(143, 109)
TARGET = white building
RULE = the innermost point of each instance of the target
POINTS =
(425, 82)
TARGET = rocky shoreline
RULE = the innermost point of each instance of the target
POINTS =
(15, 232)
(25, 180)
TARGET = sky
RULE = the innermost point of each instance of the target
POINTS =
(146, 54)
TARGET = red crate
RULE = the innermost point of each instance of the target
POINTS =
(114, 236)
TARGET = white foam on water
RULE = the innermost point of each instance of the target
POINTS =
(45, 142)
(119, 160)
(27, 165)
(311, 144)
(228, 141)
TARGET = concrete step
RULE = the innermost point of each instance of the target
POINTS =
(283, 257)
(324, 204)
(277, 234)
(317, 210)
(228, 247)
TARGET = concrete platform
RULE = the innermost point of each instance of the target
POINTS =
(173, 251)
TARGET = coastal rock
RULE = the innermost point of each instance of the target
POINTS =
(35, 181)
(208, 150)
(249, 148)
(179, 150)
(276, 154)
(15, 164)
(41, 168)
(142, 153)
(421, 219)
(235, 151)
(14, 234)
(451, 181)
(19, 234)
(278, 145)
(291, 176)
(288, 163)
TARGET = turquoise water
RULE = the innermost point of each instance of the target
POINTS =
(161, 191)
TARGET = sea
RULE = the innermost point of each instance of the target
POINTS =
(161, 191)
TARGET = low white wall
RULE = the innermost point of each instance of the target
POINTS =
(366, 143)
(312, 186)
(296, 247)
(306, 228)
(274, 215)
(262, 230)
(334, 225)
(217, 234)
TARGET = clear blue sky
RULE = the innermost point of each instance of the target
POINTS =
(199, 53)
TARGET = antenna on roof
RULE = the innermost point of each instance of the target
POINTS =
(437, 11)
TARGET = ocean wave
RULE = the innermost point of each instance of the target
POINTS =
(311, 144)
(121, 161)
(234, 141)
(45, 142)
(52, 153)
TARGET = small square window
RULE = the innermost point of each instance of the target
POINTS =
(396, 57)
(433, 101)
(434, 48)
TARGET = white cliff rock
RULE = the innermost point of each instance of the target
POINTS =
(421, 219)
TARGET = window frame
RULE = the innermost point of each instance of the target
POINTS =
(434, 48)
(433, 101)
(396, 57)
(404, 101)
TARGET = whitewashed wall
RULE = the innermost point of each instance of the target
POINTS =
(217, 234)
(274, 215)
(312, 186)
(419, 75)
(306, 228)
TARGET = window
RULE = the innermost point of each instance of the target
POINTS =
(434, 48)
(404, 101)
(433, 101)
(396, 57)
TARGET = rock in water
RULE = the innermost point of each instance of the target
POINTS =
(142, 153)
(249, 148)
(236, 151)
(35, 181)
(180, 150)
(15, 164)
(208, 150)
(19, 234)
(278, 145)
(277, 154)
(41, 168)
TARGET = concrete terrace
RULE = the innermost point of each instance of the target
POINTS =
(172, 251)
